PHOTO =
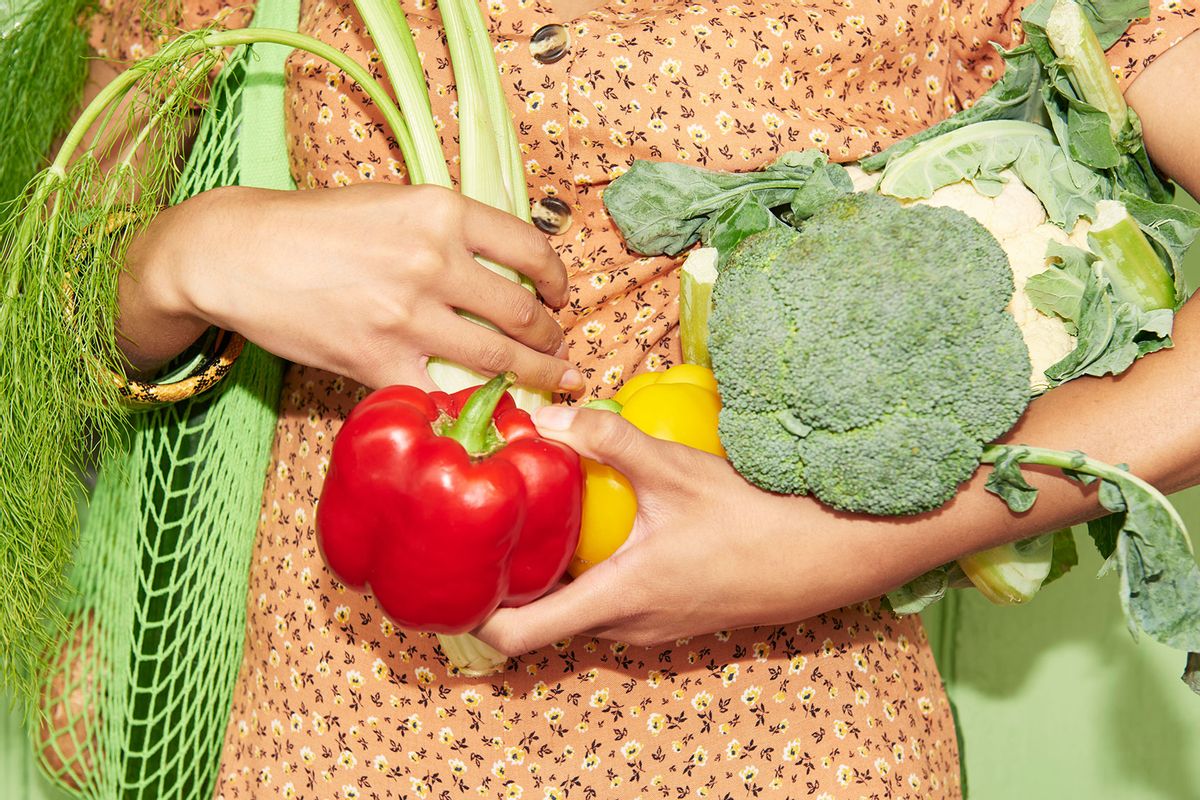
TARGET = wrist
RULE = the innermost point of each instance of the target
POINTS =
(162, 285)
(185, 250)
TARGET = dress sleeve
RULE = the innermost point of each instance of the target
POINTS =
(124, 30)
(1170, 21)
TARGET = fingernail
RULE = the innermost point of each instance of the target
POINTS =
(571, 381)
(553, 418)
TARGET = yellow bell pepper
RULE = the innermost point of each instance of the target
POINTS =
(679, 405)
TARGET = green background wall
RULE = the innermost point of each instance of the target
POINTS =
(1055, 701)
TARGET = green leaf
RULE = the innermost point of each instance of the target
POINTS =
(735, 222)
(980, 154)
(1104, 532)
(828, 183)
(1110, 334)
(1014, 96)
(1089, 138)
(1109, 18)
(1058, 291)
(1065, 555)
(662, 208)
(1009, 484)
(919, 593)
(1160, 580)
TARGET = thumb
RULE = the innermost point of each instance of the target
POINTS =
(584, 604)
(599, 435)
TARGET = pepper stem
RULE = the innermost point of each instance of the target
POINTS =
(473, 424)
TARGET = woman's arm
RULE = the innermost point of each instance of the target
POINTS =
(362, 281)
(1167, 99)
(710, 552)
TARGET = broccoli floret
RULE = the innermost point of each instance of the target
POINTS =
(776, 461)
(868, 356)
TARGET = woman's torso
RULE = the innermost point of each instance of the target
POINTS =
(333, 701)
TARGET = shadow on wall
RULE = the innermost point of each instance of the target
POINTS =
(1060, 687)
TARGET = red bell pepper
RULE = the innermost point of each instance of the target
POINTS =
(446, 506)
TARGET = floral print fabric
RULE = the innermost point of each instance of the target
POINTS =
(333, 701)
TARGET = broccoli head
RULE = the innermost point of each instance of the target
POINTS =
(867, 357)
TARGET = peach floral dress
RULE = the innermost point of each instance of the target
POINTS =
(333, 701)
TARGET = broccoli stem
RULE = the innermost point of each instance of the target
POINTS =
(1082, 59)
(1011, 573)
(696, 279)
(1077, 463)
(1128, 259)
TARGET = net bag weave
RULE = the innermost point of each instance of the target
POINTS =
(139, 697)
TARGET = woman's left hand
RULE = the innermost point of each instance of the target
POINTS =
(708, 551)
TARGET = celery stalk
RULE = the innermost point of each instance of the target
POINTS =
(487, 148)
(696, 279)
(1128, 260)
(482, 178)
(488, 151)
(389, 29)
(512, 165)
(1011, 573)
(491, 172)
(1082, 58)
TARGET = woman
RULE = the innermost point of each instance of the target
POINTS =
(332, 700)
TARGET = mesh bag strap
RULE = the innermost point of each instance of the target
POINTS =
(143, 685)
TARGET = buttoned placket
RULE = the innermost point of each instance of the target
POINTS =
(545, 58)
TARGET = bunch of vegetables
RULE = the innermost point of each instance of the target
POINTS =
(873, 329)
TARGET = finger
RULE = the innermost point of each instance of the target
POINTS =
(405, 370)
(506, 304)
(583, 605)
(605, 437)
(479, 348)
(500, 237)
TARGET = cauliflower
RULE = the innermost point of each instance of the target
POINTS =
(1019, 223)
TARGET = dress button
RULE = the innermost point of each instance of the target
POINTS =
(549, 43)
(551, 216)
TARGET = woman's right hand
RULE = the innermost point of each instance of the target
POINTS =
(361, 281)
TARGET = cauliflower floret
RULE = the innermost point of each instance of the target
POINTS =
(1018, 221)
(1046, 337)
(862, 181)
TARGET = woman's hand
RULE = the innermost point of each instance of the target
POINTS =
(708, 551)
(362, 281)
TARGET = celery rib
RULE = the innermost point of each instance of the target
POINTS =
(1130, 263)
(1082, 58)
(389, 29)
